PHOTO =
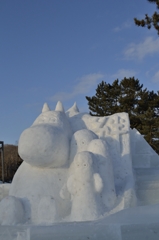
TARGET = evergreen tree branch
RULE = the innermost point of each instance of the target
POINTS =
(148, 21)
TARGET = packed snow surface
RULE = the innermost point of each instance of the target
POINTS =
(83, 169)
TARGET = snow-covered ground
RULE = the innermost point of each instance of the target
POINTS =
(138, 223)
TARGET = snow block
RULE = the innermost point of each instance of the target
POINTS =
(115, 131)
(143, 156)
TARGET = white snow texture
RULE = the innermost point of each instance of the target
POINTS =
(76, 168)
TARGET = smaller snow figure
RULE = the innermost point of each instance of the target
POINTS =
(84, 186)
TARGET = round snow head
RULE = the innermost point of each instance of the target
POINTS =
(44, 145)
(83, 160)
(83, 164)
(80, 141)
(55, 118)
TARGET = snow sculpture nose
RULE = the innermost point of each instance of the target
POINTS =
(44, 145)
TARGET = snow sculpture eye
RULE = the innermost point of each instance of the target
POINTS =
(50, 117)
(52, 120)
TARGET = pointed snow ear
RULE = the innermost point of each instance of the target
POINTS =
(45, 108)
(75, 108)
(59, 107)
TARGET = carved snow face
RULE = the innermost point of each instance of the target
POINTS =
(55, 118)
(84, 164)
(47, 142)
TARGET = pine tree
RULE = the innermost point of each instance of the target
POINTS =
(105, 101)
(150, 21)
(130, 90)
(155, 132)
(148, 123)
(129, 96)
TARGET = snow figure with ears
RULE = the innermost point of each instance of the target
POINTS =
(45, 148)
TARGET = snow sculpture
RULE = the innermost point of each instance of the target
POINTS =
(76, 168)
(83, 185)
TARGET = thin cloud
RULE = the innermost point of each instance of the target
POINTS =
(139, 51)
(123, 73)
(122, 27)
(156, 77)
(151, 71)
(84, 84)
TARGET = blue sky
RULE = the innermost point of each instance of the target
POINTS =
(54, 50)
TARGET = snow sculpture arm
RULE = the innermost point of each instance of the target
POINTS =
(71, 185)
(68, 188)
(98, 183)
(64, 194)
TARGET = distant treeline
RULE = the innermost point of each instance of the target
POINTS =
(11, 162)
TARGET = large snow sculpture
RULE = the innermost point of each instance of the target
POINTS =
(76, 168)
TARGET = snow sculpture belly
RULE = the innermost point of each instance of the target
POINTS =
(36, 185)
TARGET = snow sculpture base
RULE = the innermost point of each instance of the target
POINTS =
(80, 179)
(129, 224)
